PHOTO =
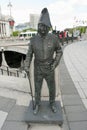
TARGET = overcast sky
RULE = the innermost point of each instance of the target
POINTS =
(63, 13)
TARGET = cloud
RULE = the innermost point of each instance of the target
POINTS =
(60, 7)
(23, 15)
(63, 12)
(60, 13)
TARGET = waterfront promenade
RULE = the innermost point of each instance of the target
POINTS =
(72, 94)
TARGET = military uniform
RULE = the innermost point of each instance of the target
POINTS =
(43, 49)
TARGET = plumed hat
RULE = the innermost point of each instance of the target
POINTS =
(44, 18)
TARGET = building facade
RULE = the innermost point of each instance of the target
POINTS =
(34, 18)
(5, 26)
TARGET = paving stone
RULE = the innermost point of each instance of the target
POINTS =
(10, 125)
(65, 125)
(76, 108)
(85, 103)
(81, 93)
(6, 104)
(68, 90)
(17, 113)
(3, 101)
(64, 79)
(85, 91)
(78, 125)
(3, 116)
(71, 100)
(77, 116)
(65, 76)
(83, 84)
(67, 84)
(9, 106)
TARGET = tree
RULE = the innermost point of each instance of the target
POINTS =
(15, 33)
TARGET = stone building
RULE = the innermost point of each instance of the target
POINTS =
(6, 25)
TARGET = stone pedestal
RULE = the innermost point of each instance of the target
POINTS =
(45, 115)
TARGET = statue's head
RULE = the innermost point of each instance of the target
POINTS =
(44, 23)
(43, 29)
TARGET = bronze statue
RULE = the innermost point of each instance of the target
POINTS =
(43, 46)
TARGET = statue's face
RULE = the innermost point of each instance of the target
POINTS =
(42, 29)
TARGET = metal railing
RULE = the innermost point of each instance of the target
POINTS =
(5, 70)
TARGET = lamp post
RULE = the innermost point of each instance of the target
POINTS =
(10, 6)
(11, 21)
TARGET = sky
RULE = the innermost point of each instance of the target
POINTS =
(63, 13)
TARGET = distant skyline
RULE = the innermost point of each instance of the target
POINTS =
(63, 13)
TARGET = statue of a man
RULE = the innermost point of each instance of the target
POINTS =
(43, 46)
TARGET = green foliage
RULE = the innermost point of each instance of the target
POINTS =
(29, 29)
(82, 29)
(15, 33)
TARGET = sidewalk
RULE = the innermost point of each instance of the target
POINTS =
(73, 80)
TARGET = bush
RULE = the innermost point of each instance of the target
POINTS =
(15, 33)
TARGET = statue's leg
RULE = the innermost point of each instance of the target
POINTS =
(38, 85)
(51, 86)
(38, 79)
(52, 90)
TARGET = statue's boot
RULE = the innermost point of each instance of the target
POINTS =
(53, 108)
(36, 109)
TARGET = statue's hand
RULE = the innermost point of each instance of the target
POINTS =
(53, 67)
(21, 69)
(26, 70)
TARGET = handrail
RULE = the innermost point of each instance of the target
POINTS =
(5, 70)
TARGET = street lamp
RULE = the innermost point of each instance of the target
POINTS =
(10, 6)
(11, 21)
